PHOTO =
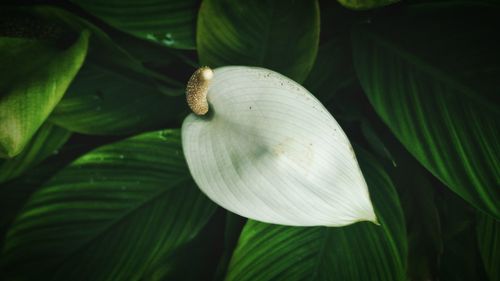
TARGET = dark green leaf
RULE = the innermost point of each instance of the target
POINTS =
(196, 260)
(281, 35)
(110, 215)
(114, 93)
(45, 142)
(170, 23)
(333, 69)
(15, 193)
(438, 94)
(365, 4)
(488, 235)
(375, 142)
(31, 89)
(102, 102)
(419, 197)
(232, 231)
(362, 251)
(336, 19)
(461, 260)
(103, 50)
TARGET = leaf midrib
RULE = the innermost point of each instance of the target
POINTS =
(114, 222)
(426, 67)
(321, 255)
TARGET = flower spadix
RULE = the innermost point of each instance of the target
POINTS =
(265, 148)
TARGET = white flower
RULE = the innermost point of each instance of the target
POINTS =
(269, 150)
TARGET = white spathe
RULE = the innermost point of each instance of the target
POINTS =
(269, 150)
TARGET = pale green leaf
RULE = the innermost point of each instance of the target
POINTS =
(31, 89)
(44, 143)
(114, 93)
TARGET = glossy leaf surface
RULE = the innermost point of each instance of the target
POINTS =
(31, 90)
(256, 33)
(170, 23)
(438, 94)
(110, 215)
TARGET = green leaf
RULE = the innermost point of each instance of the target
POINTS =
(196, 260)
(102, 49)
(31, 89)
(336, 19)
(232, 230)
(375, 143)
(419, 197)
(461, 260)
(44, 143)
(15, 193)
(170, 23)
(362, 251)
(102, 102)
(257, 33)
(114, 93)
(488, 235)
(440, 98)
(110, 215)
(365, 4)
(333, 69)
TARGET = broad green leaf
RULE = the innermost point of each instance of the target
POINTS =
(103, 50)
(362, 251)
(268, 150)
(44, 143)
(102, 102)
(333, 69)
(281, 35)
(114, 93)
(110, 215)
(233, 226)
(488, 235)
(16, 192)
(336, 20)
(461, 260)
(365, 4)
(438, 94)
(419, 198)
(34, 76)
(375, 142)
(170, 23)
(196, 260)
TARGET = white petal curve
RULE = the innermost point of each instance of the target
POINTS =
(268, 150)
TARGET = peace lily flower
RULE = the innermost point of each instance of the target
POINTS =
(261, 146)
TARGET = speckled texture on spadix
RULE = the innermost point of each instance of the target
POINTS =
(269, 150)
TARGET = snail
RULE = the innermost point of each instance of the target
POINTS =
(270, 151)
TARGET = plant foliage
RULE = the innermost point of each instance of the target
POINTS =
(93, 180)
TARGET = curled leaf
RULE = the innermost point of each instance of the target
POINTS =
(268, 150)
